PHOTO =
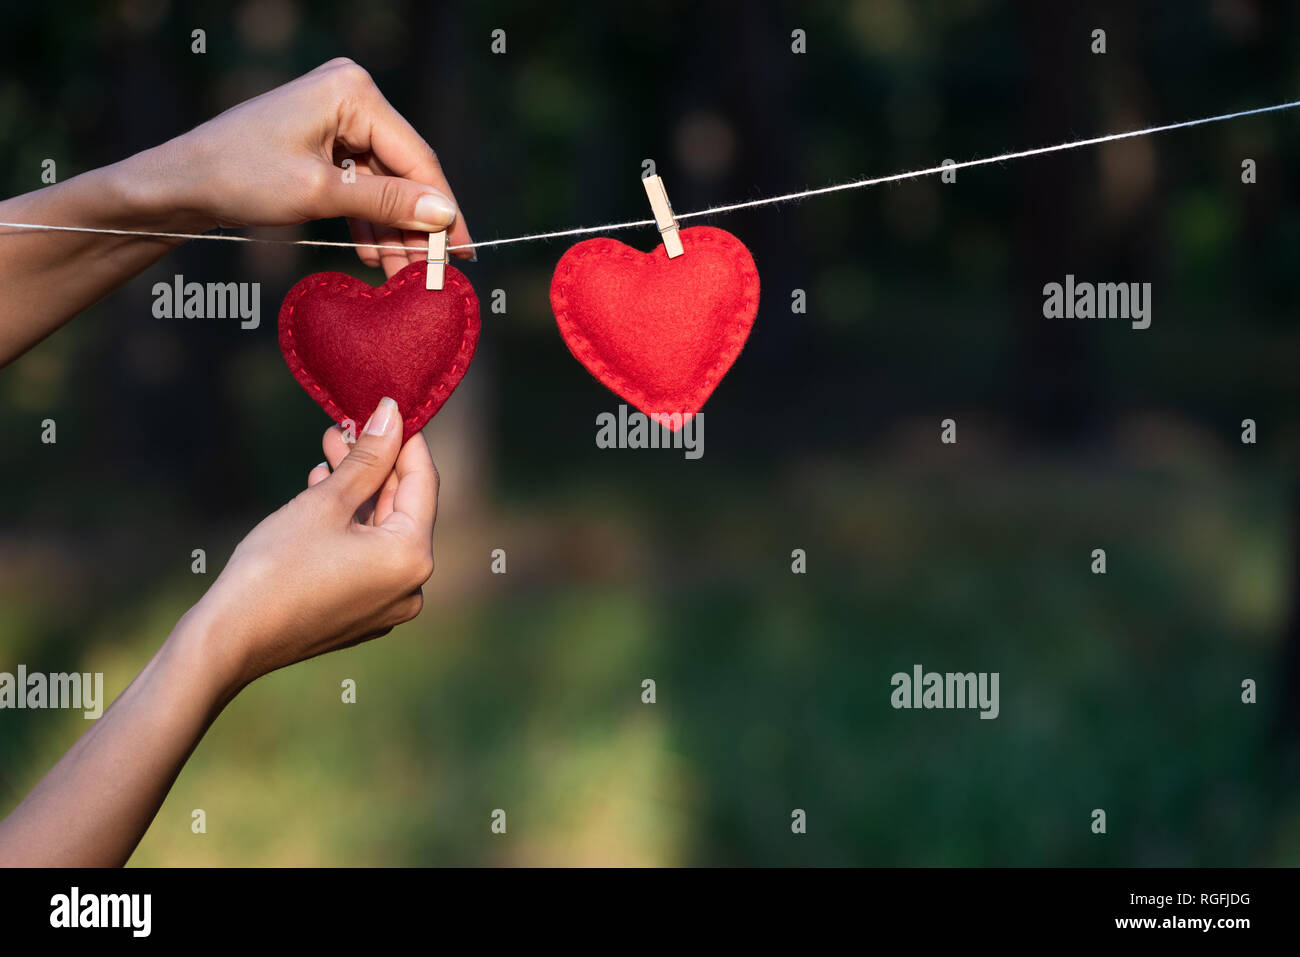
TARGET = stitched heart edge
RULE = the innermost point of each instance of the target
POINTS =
(737, 330)
(447, 382)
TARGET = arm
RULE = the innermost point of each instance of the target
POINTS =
(268, 162)
(341, 563)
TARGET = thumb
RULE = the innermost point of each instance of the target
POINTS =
(390, 201)
(368, 465)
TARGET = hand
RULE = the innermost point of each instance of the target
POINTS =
(341, 563)
(275, 160)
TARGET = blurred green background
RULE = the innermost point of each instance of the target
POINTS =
(522, 691)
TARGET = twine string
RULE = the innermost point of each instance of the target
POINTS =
(710, 211)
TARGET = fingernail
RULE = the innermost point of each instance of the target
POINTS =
(383, 418)
(321, 465)
(434, 209)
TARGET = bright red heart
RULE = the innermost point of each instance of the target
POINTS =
(349, 344)
(660, 332)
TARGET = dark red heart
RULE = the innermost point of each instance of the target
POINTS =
(660, 332)
(349, 344)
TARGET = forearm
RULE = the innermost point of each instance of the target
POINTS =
(93, 807)
(50, 276)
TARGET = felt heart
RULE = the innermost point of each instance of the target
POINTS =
(660, 332)
(349, 344)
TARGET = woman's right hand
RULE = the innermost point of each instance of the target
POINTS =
(341, 563)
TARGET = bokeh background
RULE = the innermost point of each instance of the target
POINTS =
(522, 691)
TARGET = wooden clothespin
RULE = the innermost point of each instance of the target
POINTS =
(436, 271)
(664, 218)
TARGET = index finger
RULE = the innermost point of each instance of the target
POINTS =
(417, 485)
(396, 144)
